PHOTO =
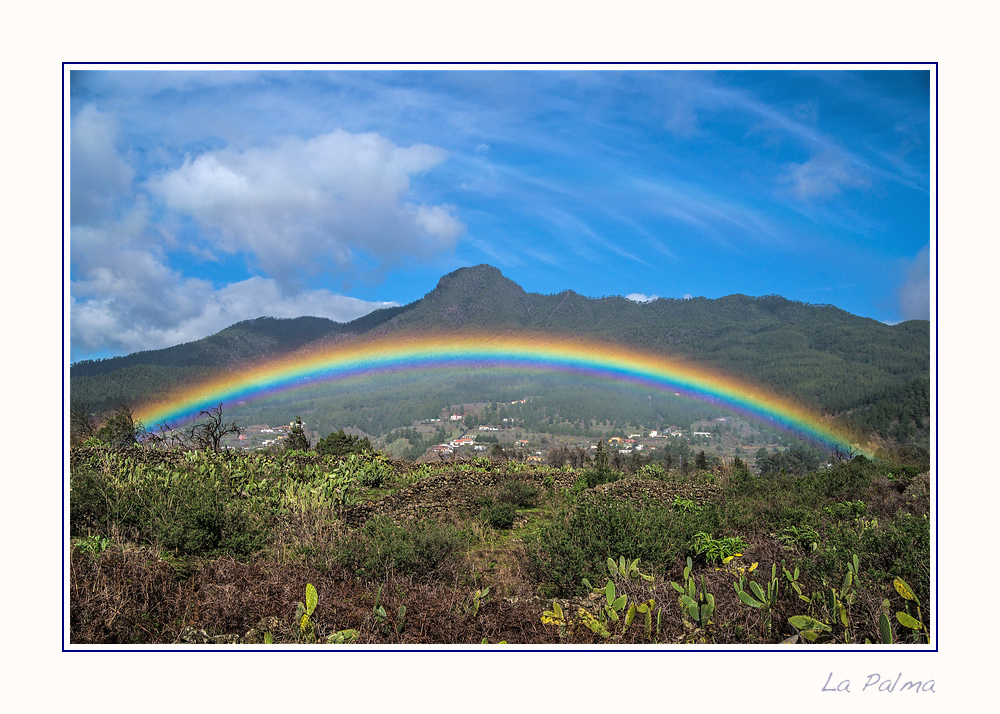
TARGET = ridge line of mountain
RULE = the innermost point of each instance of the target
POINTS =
(479, 295)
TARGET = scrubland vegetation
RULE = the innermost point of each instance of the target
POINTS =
(350, 547)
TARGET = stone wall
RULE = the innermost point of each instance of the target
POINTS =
(635, 489)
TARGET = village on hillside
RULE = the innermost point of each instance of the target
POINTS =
(467, 431)
(518, 442)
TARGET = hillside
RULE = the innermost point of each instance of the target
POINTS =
(819, 353)
(245, 341)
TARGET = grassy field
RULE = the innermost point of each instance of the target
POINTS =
(174, 547)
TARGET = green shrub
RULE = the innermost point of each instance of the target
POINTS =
(804, 538)
(341, 444)
(847, 510)
(715, 550)
(121, 431)
(383, 546)
(192, 504)
(899, 547)
(195, 528)
(743, 483)
(200, 517)
(520, 494)
(651, 470)
(684, 505)
(577, 544)
(842, 482)
(601, 470)
(89, 503)
(369, 469)
(597, 476)
(499, 516)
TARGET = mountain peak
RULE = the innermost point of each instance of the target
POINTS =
(473, 275)
(479, 295)
(476, 284)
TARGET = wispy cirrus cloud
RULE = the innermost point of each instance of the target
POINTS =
(716, 217)
(831, 165)
(823, 175)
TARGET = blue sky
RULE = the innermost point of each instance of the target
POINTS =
(201, 198)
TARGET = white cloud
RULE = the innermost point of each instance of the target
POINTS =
(687, 296)
(125, 297)
(308, 205)
(915, 293)
(304, 206)
(823, 175)
(640, 297)
(122, 317)
(98, 175)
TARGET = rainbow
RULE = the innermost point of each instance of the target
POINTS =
(408, 354)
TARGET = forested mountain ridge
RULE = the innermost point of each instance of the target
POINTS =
(249, 340)
(821, 354)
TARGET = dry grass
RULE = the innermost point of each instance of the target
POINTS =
(130, 597)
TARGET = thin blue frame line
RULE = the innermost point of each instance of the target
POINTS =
(937, 361)
(512, 63)
(684, 649)
(62, 357)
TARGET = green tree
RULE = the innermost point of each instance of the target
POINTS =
(600, 457)
(121, 430)
(297, 438)
(339, 443)
(602, 471)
